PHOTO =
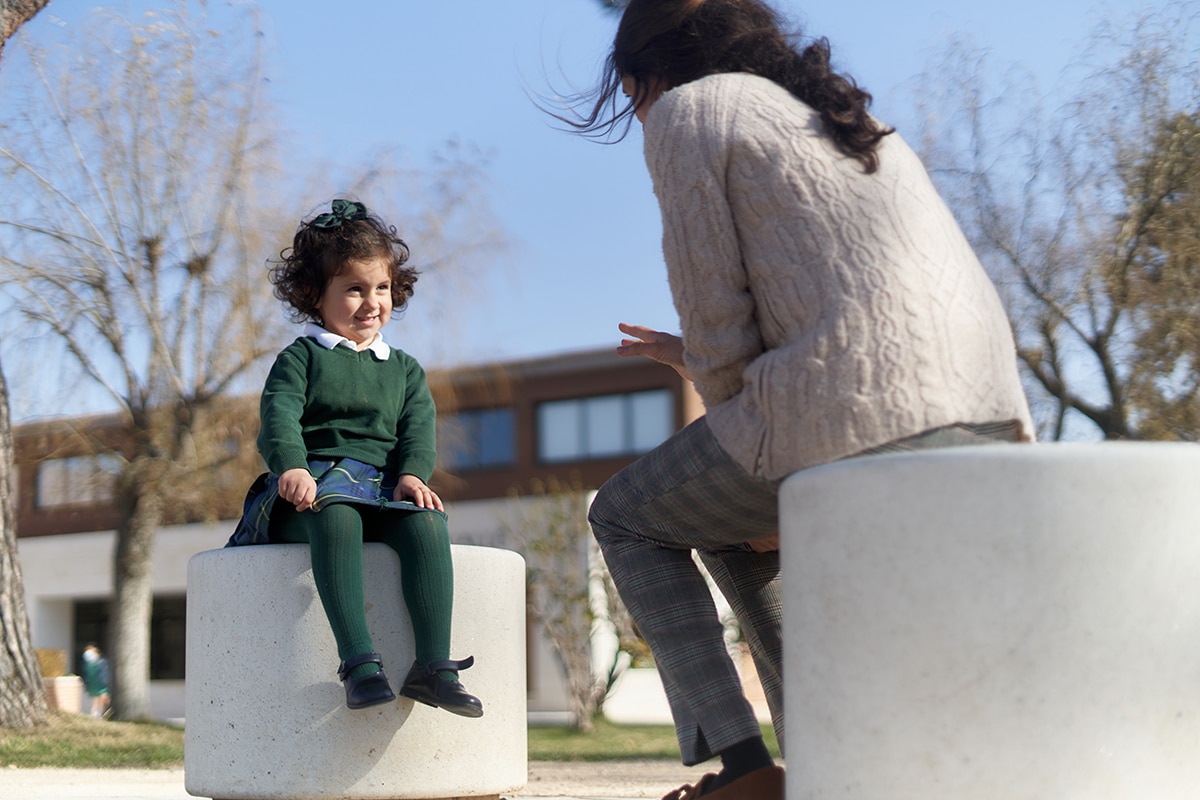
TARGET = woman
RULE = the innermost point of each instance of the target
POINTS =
(830, 307)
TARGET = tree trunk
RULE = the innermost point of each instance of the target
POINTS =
(14, 14)
(22, 695)
(133, 596)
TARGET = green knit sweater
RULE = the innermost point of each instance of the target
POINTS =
(341, 403)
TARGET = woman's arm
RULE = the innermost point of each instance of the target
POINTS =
(689, 148)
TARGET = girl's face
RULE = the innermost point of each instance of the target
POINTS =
(357, 302)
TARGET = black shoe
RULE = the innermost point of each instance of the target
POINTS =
(369, 690)
(424, 685)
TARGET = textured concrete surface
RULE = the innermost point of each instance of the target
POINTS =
(266, 713)
(609, 780)
(999, 623)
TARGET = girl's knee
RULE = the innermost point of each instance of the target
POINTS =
(427, 524)
(338, 513)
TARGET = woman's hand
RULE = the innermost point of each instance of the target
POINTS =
(410, 487)
(665, 348)
(298, 488)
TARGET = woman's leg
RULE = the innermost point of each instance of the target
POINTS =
(334, 536)
(750, 582)
(685, 494)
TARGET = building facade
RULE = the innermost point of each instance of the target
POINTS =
(504, 429)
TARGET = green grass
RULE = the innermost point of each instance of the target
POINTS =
(610, 742)
(76, 740)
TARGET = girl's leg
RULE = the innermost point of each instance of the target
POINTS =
(685, 494)
(334, 536)
(422, 541)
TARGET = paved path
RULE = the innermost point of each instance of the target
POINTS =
(548, 780)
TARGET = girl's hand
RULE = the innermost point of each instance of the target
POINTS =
(410, 487)
(665, 348)
(298, 488)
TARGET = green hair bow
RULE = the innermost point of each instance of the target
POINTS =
(343, 211)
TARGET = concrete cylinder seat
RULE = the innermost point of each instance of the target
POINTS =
(265, 713)
(1015, 622)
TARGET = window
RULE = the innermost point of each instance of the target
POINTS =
(80, 480)
(602, 427)
(478, 439)
(167, 628)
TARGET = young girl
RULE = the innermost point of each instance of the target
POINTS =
(348, 436)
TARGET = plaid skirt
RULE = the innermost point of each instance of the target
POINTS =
(338, 481)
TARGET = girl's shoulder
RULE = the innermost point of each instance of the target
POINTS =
(299, 351)
(301, 345)
(408, 362)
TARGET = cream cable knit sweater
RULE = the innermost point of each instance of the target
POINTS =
(824, 311)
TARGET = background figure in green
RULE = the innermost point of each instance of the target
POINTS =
(95, 680)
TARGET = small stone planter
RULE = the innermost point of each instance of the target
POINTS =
(265, 713)
(65, 693)
(1010, 622)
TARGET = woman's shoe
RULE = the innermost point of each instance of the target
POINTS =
(766, 783)
(369, 690)
(424, 685)
(690, 791)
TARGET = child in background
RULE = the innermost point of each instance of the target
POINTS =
(95, 680)
(348, 436)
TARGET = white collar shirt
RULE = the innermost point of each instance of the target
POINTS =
(378, 347)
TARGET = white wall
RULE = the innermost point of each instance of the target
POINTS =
(481, 522)
(58, 570)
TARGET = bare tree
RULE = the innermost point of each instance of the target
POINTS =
(130, 227)
(14, 14)
(570, 593)
(1066, 207)
(22, 695)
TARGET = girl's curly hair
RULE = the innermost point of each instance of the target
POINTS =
(319, 252)
(679, 41)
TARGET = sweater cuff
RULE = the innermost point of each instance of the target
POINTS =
(284, 461)
(418, 464)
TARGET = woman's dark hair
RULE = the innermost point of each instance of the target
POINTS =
(679, 41)
(325, 244)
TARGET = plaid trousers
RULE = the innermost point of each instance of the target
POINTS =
(689, 494)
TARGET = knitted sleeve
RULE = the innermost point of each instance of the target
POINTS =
(416, 449)
(280, 440)
(688, 140)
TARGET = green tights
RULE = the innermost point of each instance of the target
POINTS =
(335, 536)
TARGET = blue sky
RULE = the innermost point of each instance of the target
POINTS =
(351, 78)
